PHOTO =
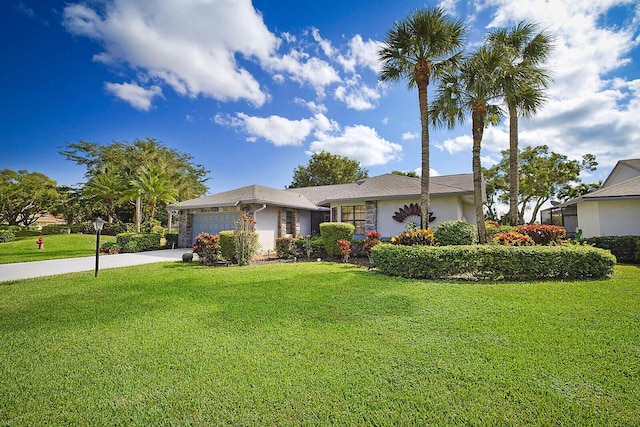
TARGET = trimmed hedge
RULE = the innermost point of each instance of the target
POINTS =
(172, 240)
(625, 248)
(286, 247)
(227, 245)
(331, 232)
(7, 236)
(493, 262)
(138, 242)
(456, 232)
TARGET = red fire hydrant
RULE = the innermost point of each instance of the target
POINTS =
(40, 243)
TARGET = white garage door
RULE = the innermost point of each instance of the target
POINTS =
(213, 223)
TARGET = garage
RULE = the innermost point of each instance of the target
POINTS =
(213, 222)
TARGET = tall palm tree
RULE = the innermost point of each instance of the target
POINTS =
(154, 186)
(416, 49)
(471, 88)
(106, 188)
(523, 80)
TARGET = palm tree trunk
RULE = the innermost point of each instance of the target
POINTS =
(425, 175)
(477, 121)
(138, 213)
(514, 177)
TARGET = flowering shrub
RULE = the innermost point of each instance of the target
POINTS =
(207, 247)
(543, 234)
(371, 239)
(345, 249)
(492, 228)
(415, 237)
(512, 238)
(246, 239)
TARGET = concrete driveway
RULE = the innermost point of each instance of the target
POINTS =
(28, 270)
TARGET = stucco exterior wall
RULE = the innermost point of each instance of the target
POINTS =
(589, 219)
(609, 218)
(387, 226)
(267, 227)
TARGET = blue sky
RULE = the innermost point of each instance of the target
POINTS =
(251, 89)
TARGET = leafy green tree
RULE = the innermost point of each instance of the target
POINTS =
(411, 174)
(25, 196)
(471, 88)
(126, 164)
(105, 188)
(543, 174)
(569, 192)
(325, 168)
(71, 205)
(416, 49)
(524, 81)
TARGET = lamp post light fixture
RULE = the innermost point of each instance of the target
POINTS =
(98, 223)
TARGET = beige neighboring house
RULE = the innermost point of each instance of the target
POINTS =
(612, 210)
(382, 203)
(48, 219)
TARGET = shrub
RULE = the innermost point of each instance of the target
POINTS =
(286, 247)
(207, 246)
(246, 246)
(7, 236)
(413, 237)
(371, 239)
(512, 238)
(494, 262)
(153, 226)
(492, 228)
(227, 245)
(172, 240)
(625, 248)
(331, 232)
(245, 239)
(456, 232)
(345, 249)
(110, 247)
(315, 244)
(138, 242)
(304, 246)
(544, 234)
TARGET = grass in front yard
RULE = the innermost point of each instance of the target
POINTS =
(56, 246)
(316, 344)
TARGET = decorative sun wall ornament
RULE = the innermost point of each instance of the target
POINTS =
(411, 213)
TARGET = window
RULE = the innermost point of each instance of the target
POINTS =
(355, 215)
(291, 225)
(334, 214)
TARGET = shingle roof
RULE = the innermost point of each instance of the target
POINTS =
(252, 194)
(634, 163)
(379, 187)
(394, 186)
(628, 188)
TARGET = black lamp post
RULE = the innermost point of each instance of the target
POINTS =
(98, 223)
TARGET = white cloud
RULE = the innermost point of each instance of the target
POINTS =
(361, 54)
(324, 43)
(358, 142)
(176, 43)
(408, 135)
(277, 130)
(139, 97)
(357, 95)
(456, 145)
(311, 105)
(300, 67)
(588, 110)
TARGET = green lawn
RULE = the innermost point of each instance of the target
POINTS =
(56, 246)
(316, 344)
